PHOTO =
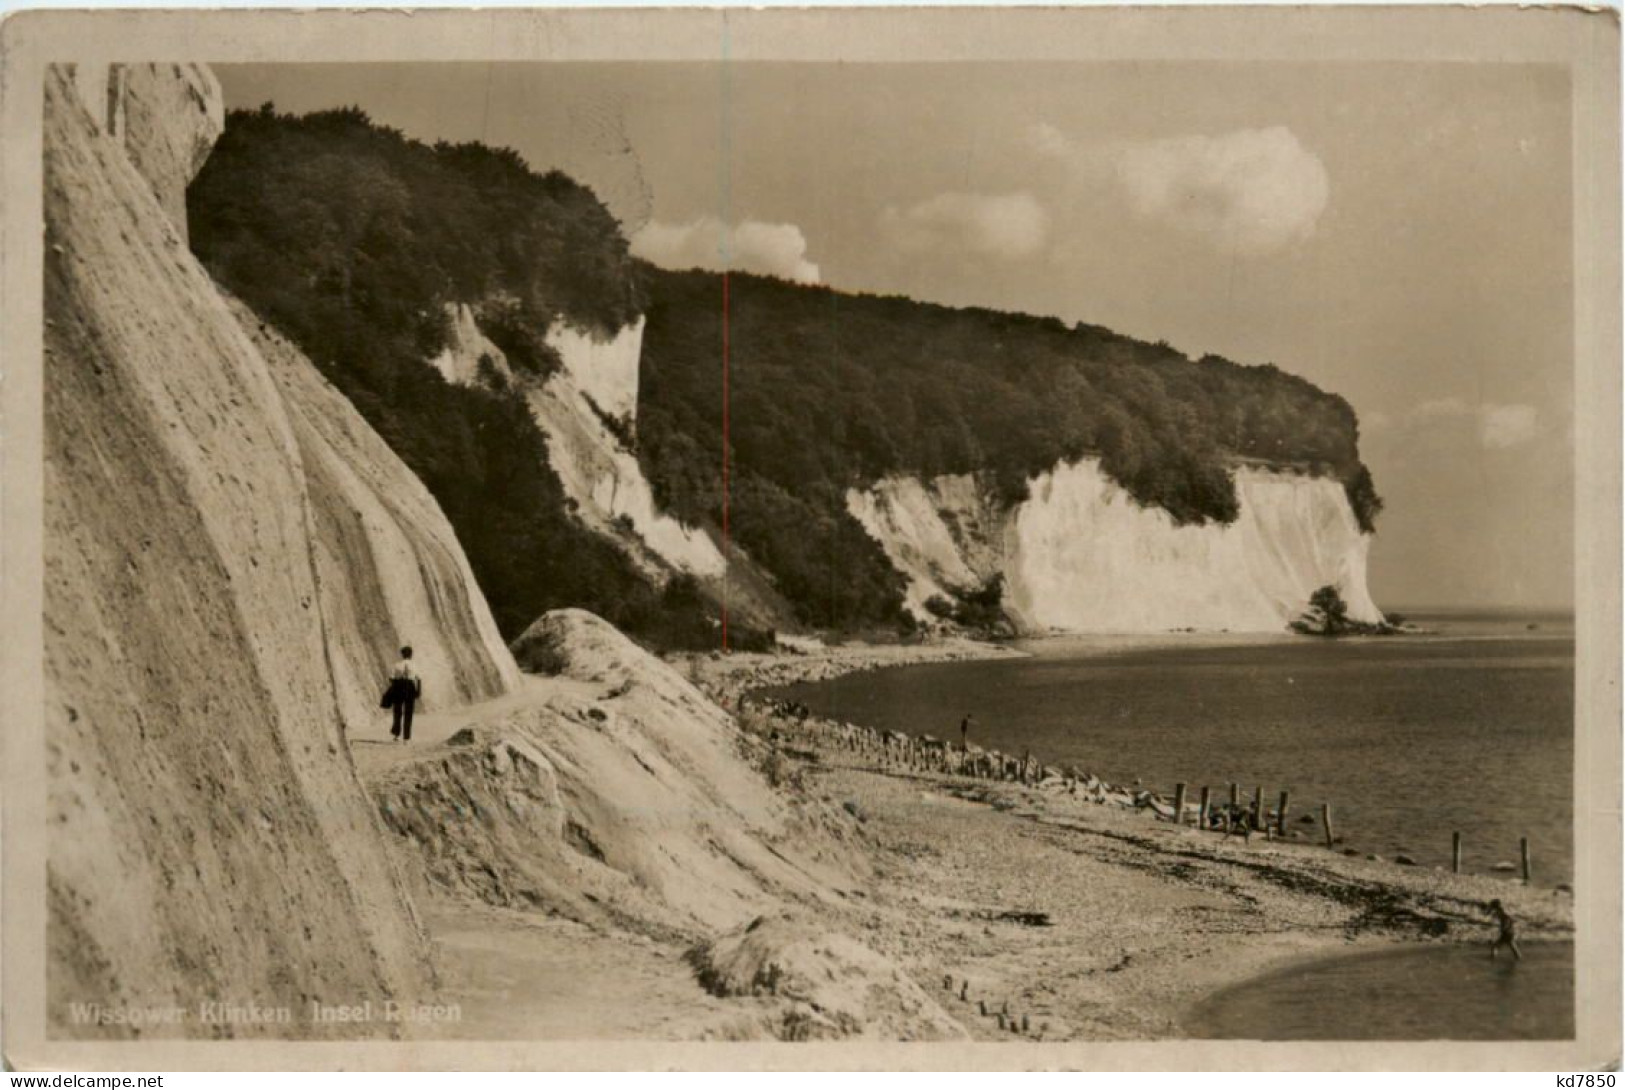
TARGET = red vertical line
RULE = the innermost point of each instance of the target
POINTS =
(725, 180)
(726, 561)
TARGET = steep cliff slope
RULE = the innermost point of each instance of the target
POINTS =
(1084, 557)
(389, 565)
(833, 392)
(209, 839)
(1080, 555)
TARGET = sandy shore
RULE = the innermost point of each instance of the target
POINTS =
(1145, 919)
(1142, 919)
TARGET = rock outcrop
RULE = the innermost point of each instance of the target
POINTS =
(1080, 555)
(229, 555)
(832, 985)
(604, 369)
(466, 346)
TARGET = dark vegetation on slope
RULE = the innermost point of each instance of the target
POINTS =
(830, 389)
(350, 239)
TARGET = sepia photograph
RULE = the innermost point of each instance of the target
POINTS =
(932, 538)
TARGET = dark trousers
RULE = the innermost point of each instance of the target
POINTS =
(403, 719)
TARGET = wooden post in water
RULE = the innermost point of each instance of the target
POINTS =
(1280, 815)
(1258, 808)
(1326, 820)
(1523, 850)
(1455, 853)
(1179, 804)
(1201, 811)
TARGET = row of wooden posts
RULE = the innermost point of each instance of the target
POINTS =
(1006, 1019)
(1257, 818)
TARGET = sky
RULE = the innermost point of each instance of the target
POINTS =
(1398, 233)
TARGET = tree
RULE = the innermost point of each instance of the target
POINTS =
(1330, 610)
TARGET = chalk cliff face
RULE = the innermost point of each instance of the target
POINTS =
(166, 117)
(604, 370)
(459, 361)
(231, 557)
(1080, 555)
(587, 410)
(947, 535)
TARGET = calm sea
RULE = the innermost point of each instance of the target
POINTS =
(1448, 991)
(1469, 727)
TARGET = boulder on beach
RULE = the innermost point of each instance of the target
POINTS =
(832, 985)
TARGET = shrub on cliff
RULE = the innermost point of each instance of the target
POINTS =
(1328, 615)
(1327, 605)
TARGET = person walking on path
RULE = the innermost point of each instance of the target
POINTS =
(1507, 936)
(405, 689)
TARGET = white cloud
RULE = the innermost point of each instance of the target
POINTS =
(1004, 226)
(1500, 427)
(1252, 191)
(1255, 191)
(772, 249)
(1503, 426)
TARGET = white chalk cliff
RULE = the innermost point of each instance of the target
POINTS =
(232, 557)
(605, 371)
(597, 384)
(459, 361)
(1081, 555)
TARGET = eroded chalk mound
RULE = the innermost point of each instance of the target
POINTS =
(833, 985)
(615, 788)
